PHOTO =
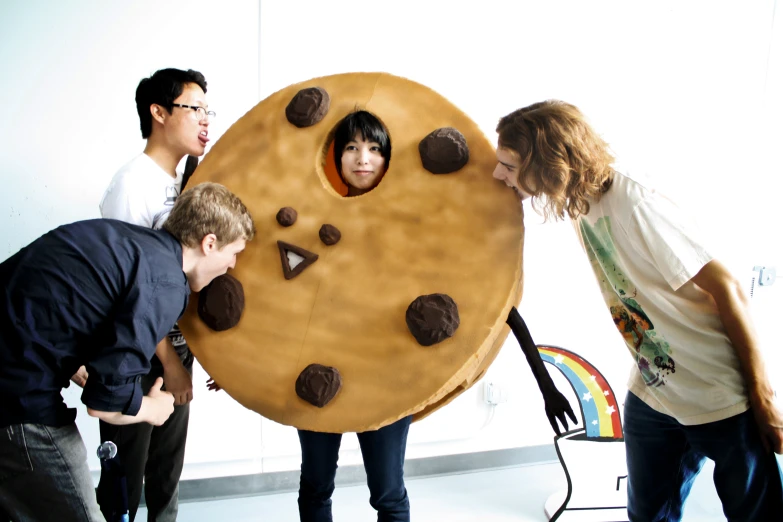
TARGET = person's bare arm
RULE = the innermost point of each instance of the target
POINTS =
(734, 313)
(156, 407)
(177, 379)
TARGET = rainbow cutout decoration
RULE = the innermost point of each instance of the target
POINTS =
(600, 414)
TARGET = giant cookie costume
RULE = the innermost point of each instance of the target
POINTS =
(438, 226)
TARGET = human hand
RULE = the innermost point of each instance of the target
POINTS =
(178, 382)
(557, 407)
(161, 404)
(769, 419)
(212, 385)
(80, 377)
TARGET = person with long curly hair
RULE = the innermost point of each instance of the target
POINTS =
(716, 402)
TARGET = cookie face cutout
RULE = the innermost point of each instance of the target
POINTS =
(415, 234)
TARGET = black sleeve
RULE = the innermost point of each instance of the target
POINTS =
(115, 369)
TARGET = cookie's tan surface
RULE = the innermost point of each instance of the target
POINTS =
(416, 233)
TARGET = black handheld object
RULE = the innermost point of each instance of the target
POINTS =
(190, 166)
(555, 403)
(112, 489)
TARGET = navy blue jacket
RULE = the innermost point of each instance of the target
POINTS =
(99, 293)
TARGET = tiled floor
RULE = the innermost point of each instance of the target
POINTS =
(513, 494)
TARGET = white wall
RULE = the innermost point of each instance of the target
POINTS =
(688, 91)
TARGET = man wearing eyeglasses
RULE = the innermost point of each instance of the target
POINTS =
(174, 118)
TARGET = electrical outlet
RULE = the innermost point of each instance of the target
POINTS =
(495, 393)
(767, 274)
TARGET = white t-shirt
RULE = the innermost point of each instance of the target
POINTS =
(644, 252)
(141, 193)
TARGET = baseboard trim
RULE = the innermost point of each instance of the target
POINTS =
(218, 488)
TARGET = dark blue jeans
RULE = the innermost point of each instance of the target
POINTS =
(383, 451)
(664, 458)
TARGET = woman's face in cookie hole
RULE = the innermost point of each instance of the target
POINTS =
(360, 151)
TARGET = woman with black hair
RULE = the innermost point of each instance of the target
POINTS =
(362, 153)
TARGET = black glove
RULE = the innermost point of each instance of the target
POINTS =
(555, 403)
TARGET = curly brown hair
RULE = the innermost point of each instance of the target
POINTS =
(561, 157)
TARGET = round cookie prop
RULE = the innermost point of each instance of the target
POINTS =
(329, 348)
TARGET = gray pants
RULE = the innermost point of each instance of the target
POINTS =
(44, 475)
(152, 456)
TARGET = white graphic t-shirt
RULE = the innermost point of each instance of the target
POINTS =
(141, 193)
(644, 252)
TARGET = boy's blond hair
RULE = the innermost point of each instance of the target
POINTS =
(209, 208)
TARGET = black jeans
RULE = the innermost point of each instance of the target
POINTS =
(383, 451)
(152, 455)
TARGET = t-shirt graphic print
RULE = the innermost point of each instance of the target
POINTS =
(649, 349)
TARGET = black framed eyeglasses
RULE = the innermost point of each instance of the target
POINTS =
(201, 112)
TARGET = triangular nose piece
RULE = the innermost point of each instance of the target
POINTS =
(294, 259)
